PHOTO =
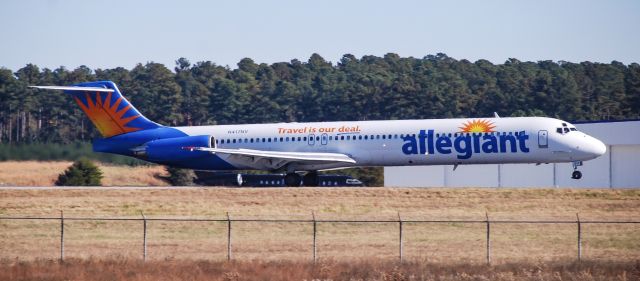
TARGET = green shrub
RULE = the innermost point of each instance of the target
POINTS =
(180, 177)
(82, 173)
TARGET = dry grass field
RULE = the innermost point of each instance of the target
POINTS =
(122, 269)
(38, 173)
(433, 243)
(112, 250)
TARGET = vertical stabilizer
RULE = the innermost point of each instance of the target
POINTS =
(110, 112)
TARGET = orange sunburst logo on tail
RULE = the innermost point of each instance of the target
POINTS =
(106, 117)
(477, 126)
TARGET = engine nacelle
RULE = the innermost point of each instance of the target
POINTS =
(175, 149)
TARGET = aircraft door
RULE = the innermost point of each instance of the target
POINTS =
(312, 139)
(324, 139)
(543, 139)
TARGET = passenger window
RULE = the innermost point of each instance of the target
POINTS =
(366, 137)
(264, 140)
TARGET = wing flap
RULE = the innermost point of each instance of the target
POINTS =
(265, 159)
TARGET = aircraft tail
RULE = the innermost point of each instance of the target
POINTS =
(110, 112)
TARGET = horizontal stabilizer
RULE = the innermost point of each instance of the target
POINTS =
(73, 88)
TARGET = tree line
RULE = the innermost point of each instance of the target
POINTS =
(367, 88)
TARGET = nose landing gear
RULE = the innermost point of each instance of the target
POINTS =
(576, 175)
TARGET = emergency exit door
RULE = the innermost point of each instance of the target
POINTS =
(543, 139)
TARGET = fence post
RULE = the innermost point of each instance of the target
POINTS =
(61, 236)
(313, 215)
(488, 239)
(144, 237)
(579, 237)
(400, 236)
(228, 237)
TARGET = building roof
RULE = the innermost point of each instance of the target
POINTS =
(613, 132)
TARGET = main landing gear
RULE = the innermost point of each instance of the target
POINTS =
(295, 179)
(576, 175)
(292, 179)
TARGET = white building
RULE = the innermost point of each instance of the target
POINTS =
(618, 168)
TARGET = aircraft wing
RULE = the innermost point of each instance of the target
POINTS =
(273, 160)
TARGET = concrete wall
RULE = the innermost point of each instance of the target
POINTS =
(618, 168)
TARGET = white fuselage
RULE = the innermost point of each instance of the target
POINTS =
(414, 142)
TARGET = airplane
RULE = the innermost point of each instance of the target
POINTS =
(302, 149)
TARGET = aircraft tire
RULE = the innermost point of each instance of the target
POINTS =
(292, 180)
(576, 175)
(310, 179)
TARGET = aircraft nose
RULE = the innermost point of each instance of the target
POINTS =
(601, 148)
(595, 147)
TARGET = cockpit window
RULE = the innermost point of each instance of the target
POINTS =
(564, 128)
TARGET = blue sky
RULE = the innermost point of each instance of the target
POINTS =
(107, 34)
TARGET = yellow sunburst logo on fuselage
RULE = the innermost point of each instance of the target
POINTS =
(477, 126)
(106, 117)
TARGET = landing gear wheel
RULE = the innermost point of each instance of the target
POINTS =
(576, 175)
(292, 180)
(310, 179)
